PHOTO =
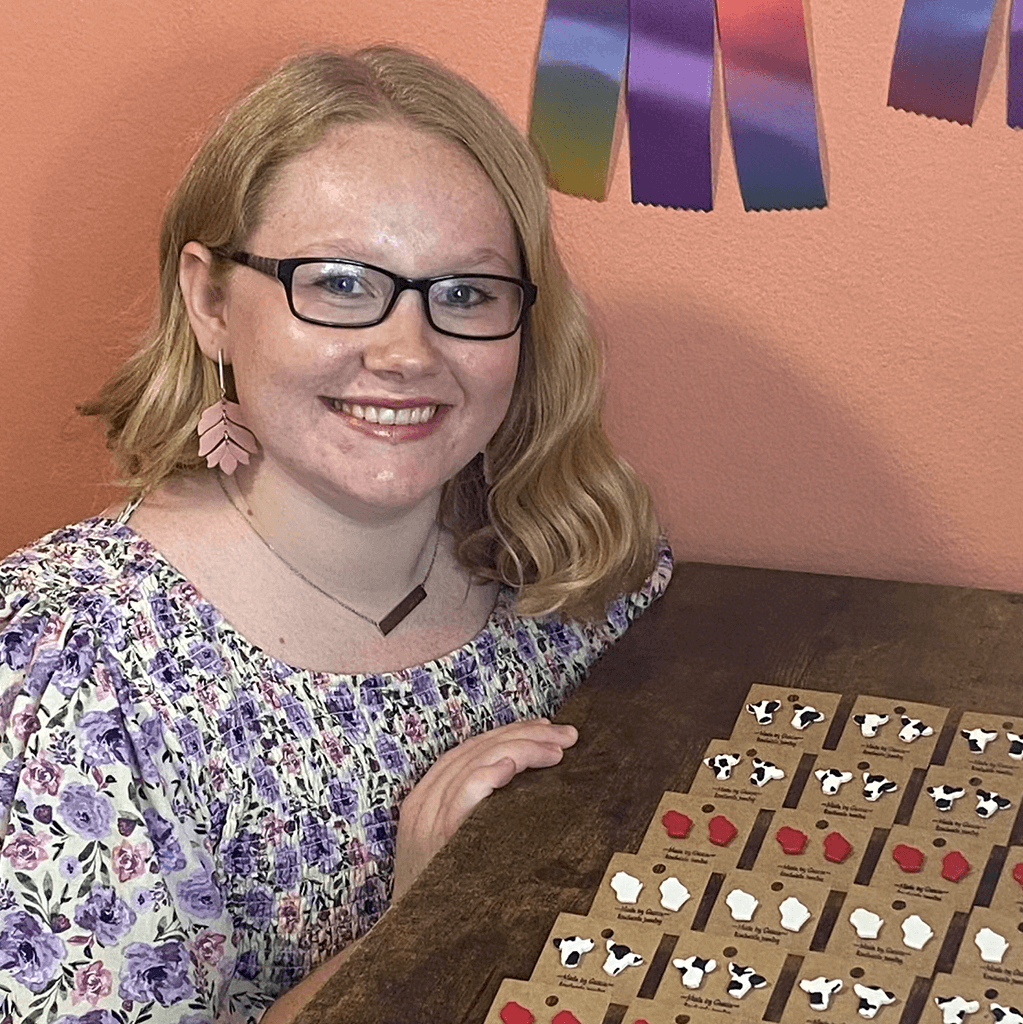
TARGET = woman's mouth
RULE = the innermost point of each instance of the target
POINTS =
(386, 415)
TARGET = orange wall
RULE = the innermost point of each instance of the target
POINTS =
(833, 390)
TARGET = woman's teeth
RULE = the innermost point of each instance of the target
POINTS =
(384, 414)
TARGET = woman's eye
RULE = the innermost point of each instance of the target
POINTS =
(341, 284)
(463, 295)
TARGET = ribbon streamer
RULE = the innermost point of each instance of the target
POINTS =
(671, 71)
(938, 54)
(770, 98)
(1015, 99)
(578, 82)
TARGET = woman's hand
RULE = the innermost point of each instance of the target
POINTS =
(461, 778)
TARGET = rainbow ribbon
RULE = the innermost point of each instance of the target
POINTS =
(769, 95)
(575, 97)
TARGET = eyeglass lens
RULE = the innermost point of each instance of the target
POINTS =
(350, 295)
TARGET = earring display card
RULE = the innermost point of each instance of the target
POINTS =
(872, 796)
(992, 952)
(876, 927)
(640, 888)
(991, 745)
(1007, 898)
(713, 978)
(755, 907)
(917, 864)
(595, 954)
(745, 774)
(884, 730)
(777, 719)
(524, 1002)
(956, 803)
(828, 989)
(800, 846)
(686, 829)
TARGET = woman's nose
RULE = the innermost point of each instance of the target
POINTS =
(404, 343)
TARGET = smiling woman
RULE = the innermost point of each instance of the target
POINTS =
(243, 711)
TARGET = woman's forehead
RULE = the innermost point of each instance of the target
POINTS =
(387, 190)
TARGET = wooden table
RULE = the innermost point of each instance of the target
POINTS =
(482, 910)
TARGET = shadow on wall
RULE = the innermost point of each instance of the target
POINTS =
(750, 464)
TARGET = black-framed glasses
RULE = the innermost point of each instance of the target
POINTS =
(346, 293)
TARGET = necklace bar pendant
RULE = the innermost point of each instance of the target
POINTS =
(401, 610)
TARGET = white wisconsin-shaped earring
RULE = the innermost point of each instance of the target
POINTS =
(225, 440)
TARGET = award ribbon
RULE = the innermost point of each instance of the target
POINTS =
(575, 98)
(938, 53)
(769, 94)
(671, 71)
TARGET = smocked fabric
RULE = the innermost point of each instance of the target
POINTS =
(191, 825)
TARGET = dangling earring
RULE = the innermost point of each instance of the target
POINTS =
(224, 438)
(488, 477)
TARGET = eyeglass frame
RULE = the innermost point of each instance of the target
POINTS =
(284, 269)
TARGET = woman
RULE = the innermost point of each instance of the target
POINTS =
(408, 540)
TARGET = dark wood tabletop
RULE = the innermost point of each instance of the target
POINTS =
(483, 908)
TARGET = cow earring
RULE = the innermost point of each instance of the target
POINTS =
(225, 440)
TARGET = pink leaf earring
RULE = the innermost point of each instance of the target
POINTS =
(224, 438)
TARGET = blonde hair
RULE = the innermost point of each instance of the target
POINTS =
(558, 515)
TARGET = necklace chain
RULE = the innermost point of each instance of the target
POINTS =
(395, 616)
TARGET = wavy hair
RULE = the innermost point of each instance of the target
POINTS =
(550, 509)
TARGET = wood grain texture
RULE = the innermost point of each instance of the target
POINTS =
(483, 908)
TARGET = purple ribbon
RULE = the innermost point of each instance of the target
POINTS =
(938, 54)
(575, 99)
(1015, 101)
(671, 71)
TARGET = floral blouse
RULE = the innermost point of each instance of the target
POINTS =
(189, 825)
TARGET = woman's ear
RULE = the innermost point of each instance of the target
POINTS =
(204, 300)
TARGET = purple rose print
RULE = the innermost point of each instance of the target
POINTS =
(102, 737)
(190, 737)
(239, 726)
(200, 896)
(618, 616)
(163, 615)
(486, 645)
(105, 914)
(391, 754)
(147, 739)
(38, 676)
(205, 656)
(92, 1017)
(165, 670)
(248, 965)
(297, 714)
(259, 907)
(17, 642)
(525, 644)
(239, 854)
(85, 810)
(424, 689)
(504, 713)
(155, 973)
(467, 675)
(564, 639)
(168, 851)
(74, 663)
(380, 831)
(372, 692)
(318, 843)
(28, 951)
(9, 775)
(343, 799)
(265, 780)
(286, 867)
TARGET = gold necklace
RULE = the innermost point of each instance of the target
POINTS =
(393, 618)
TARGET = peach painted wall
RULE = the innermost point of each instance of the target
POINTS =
(836, 390)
